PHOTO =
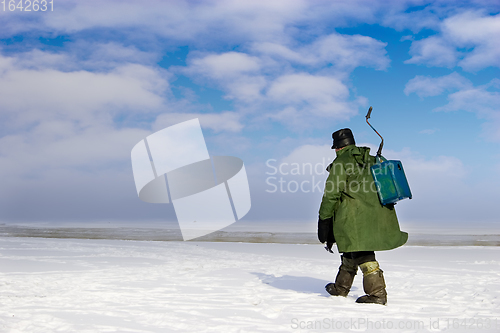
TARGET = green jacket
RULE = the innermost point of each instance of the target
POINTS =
(360, 221)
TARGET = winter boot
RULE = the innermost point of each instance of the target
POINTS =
(373, 284)
(343, 281)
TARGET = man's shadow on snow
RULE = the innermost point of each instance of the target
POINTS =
(301, 284)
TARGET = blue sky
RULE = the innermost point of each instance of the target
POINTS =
(270, 81)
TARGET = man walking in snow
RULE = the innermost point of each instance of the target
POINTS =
(352, 216)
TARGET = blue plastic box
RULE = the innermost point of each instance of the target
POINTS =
(390, 179)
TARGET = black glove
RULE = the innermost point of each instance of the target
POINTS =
(325, 233)
(325, 230)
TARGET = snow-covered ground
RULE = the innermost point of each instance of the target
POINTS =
(69, 285)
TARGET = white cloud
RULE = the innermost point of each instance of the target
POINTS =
(264, 78)
(37, 59)
(204, 22)
(304, 99)
(349, 52)
(483, 100)
(218, 122)
(61, 143)
(344, 52)
(58, 119)
(433, 51)
(29, 96)
(220, 21)
(473, 31)
(225, 65)
(283, 52)
(69, 106)
(395, 15)
(56, 144)
(226, 21)
(65, 151)
(435, 172)
(306, 87)
(307, 160)
(325, 96)
(83, 55)
(246, 88)
(295, 99)
(265, 30)
(439, 184)
(425, 86)
(238, 74)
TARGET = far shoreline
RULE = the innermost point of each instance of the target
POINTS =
(174, 234)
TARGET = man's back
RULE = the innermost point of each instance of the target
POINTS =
(360, 222)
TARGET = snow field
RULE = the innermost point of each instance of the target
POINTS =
(69, 285)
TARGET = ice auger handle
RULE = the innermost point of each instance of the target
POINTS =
(369, 113)
(379, 152)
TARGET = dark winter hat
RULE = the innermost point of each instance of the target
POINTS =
(342, 138)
